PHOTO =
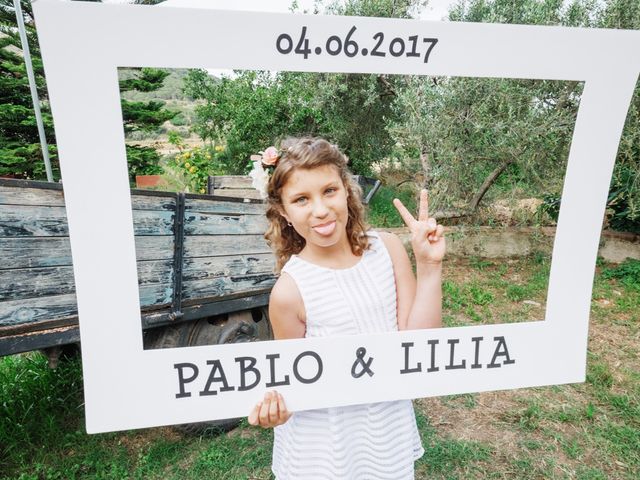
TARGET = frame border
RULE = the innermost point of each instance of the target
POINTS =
(82, 46)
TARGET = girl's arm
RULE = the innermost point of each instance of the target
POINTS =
(419, 302)
(286, 314)
(286, 309)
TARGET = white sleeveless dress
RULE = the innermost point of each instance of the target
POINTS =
(372, 441)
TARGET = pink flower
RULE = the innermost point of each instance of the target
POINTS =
(270, 156)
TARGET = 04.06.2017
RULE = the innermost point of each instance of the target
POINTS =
(336, 45)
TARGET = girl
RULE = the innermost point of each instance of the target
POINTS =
(325, 251)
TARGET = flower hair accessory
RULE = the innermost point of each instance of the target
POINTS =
(259, 174)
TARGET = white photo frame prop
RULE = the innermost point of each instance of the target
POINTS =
(83, 44)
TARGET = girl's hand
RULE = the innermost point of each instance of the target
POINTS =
(271, 412)
(427, 237)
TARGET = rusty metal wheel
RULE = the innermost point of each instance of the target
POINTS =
(236, 327)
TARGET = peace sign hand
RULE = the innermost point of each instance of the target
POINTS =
(427, 237)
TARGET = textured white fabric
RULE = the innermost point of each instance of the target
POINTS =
(372, 441)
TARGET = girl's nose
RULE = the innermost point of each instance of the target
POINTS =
(320, 210)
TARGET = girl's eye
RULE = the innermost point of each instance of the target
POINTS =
(300, 200)
(331, 189)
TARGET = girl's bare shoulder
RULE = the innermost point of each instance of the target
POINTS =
(286, 308)
(393, 243)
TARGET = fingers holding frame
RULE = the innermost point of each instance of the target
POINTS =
(270, 412)
(254, 415)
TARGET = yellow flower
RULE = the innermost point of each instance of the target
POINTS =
(202, 190)
(193, 169)
(187, 155)
(208, 156)
(219, 148)
(187, 165)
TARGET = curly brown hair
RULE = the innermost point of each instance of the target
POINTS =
(308, 153)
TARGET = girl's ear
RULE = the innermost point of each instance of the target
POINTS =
(281, 211)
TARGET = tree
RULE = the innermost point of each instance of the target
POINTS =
(249, 112)
(470, 135)
(254, 109)
(143, 116)
(20, 152)
(624, 193)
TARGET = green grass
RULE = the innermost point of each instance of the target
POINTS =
(496, 293)
(382, 213)
(443, 455)
(35, 400)
(585, 431)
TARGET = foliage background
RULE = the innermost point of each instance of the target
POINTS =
(471, 141)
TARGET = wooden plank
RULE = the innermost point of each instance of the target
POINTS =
(237, 193)
(33, 221)
(232, 181)
(36, 340)
(202, 309)
(224, 207)
(213, 224)
(41, 282)
(150, 318)
(35, 282)
(151, 202)
(34, 252)
(221, 286)
(18, 312)
(28, 311)
(217, 245)
(153, 222)
(54, 252)
(233, 265)
(15, 312)
(16, 195)
(37, 221)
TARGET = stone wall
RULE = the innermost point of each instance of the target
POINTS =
(500, 242)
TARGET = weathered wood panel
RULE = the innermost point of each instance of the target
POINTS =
(153, 222)
(203, 268)
(224, 207)
(237, 193)
(232, 181)
(40, 282)
(33, 221)
(221, 286)
(216, 245)
(152, 202)
(31, 310)
(51, 308)
(55, 252)
(209, 224)
(35, 282)
(15, 195)
(34, 341)
(37, 221)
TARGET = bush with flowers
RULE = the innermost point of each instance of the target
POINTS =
(197, 163)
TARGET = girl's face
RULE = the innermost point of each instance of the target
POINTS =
(315, 202)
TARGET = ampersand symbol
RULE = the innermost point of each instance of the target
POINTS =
(360, 362)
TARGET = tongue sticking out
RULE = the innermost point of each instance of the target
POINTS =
(326, 229)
